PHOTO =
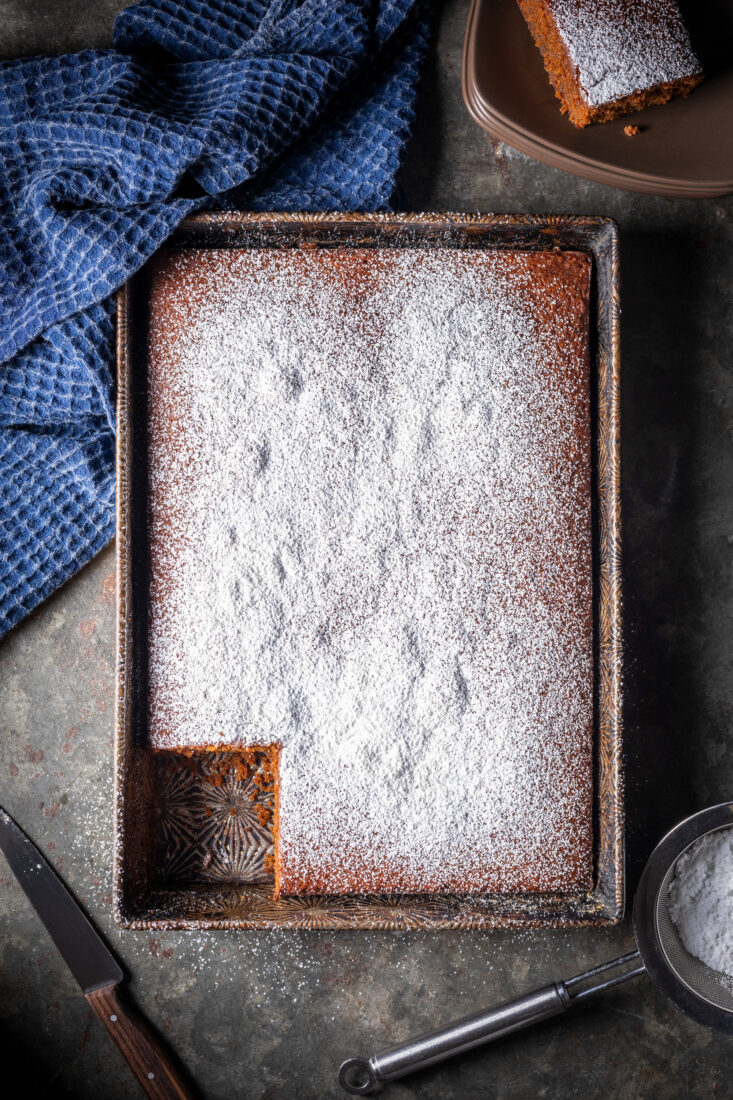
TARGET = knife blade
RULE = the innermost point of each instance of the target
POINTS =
(85, 953)
(93, 965)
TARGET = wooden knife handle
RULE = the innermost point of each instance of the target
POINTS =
(141, 1048)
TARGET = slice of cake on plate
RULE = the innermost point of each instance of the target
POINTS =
(607, 58)
(370, 548)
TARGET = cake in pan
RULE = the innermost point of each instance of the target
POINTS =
(607, 58)
(370, 554)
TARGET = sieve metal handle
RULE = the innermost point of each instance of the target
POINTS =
(361, 1076)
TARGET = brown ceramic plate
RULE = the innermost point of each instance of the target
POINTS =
(685, 147)
(189, 853)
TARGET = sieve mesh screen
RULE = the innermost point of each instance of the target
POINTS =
(708, 984)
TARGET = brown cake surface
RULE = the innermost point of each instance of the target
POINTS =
(607, 58)
(370, 546)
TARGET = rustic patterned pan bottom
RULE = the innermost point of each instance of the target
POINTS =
(213, 815)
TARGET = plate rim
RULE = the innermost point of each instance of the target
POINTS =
(498, 126)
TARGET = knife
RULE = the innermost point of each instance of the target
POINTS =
(93, 965)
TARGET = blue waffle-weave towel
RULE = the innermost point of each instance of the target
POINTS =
(261, 104)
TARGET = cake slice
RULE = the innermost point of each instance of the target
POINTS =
(607, 58)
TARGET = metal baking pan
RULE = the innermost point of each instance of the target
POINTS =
(185, 857)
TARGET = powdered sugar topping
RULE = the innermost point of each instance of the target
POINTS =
(371, 530)
(701, 900)
(621, 47)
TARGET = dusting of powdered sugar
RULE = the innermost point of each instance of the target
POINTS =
(701, 900)
(370, 522)
(624, 46)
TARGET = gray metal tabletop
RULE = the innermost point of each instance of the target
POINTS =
(272, 1015)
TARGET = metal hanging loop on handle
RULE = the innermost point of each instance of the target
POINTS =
(361, 1076)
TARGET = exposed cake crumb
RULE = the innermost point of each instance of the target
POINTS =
(632, 131)
(370, 531)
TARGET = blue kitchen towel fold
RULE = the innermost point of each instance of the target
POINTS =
(260, 104)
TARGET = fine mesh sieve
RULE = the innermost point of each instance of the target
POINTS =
(708, 984)
(701, 992)
(697, 989)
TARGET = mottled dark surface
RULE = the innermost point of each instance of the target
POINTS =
(272, 1015)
